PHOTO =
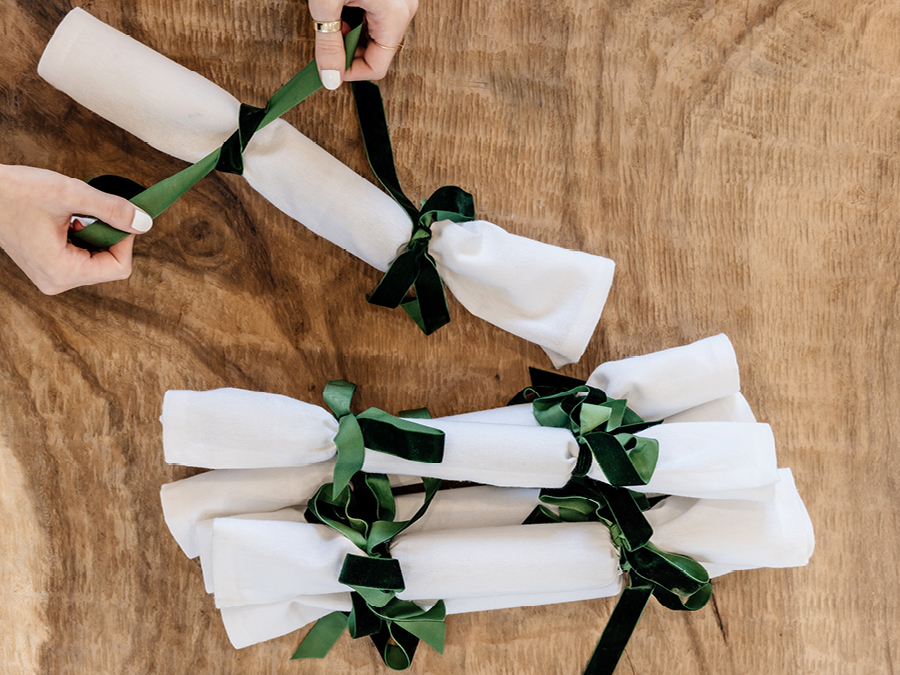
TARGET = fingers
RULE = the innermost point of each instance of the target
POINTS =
(118, 212)
(373, 64)
(386, 21)
(330, 57)
(78, 267)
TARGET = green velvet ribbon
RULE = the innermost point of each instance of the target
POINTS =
(678, 582)
(414, 268)
(378, 431)
(228, 157)
(364, 511)
(604, 427)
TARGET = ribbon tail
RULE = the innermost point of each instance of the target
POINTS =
(618, 630)
(614, 461)
(321, 638)
(429, 308)
(430, 627)
(377, 140)
(404, 438)
(154, 200)
(351, 453)
(396, 282)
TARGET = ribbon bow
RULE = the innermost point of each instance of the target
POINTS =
(604, 427)
(414, 267)
(228, 158)
(376, 430)
(677, 581)
(364, 512)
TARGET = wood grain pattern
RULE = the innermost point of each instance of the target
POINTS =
(738, 159)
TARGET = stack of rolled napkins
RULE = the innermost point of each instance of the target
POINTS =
(542, 293)
(729, 506)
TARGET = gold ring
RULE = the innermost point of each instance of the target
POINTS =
(390, 49)
(328, 26)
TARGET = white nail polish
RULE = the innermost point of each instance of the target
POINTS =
(84, 221)
(331, 79)
(142, 221)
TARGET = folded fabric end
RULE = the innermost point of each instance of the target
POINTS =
(66, 34)
(663, 383)
(582, 328)
(248, 625)
(546, 294)
(179, 526)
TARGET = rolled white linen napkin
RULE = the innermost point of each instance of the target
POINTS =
(732, 408)
(721, 535)
(697, 382)
(239, 429)
(542, 293)
(737, 534)
(234, 428)
(190, 505)
(250, 624)
(468, 507)
(258, 562)
(663, 383)
(230, 492)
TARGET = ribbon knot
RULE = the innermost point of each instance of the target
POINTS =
(414, 268)
(376, 430)
(231, 155)
(228, 157)
(604, 427)
(364, 512)
(678, 582)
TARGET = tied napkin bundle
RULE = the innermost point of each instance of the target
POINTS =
(274, 568)
(547, 295)
(728, 454)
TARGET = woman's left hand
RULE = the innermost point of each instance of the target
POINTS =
(386, 23)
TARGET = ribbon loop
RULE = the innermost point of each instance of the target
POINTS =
(364, 512)
(604, 427)
(382, 574)
(376, 430)
(677, 581)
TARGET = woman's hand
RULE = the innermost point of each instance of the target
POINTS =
(386, 22)
(36, 209)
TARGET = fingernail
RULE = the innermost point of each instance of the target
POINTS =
(142, 221)
(331, 79)
(84, 221)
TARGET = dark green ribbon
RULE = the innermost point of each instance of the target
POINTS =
(364, 512)
(604, 427)
(414, 268)
(376, 430)
(228, 157)
(678, 582)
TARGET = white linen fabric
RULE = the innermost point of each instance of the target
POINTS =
(545, 294)
(697, 382)
(239, 429)
(489, 567)
(667, 382)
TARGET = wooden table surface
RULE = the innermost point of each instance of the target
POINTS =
(738, 159)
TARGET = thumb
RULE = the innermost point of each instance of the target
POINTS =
(330, 57)
(113, 210)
